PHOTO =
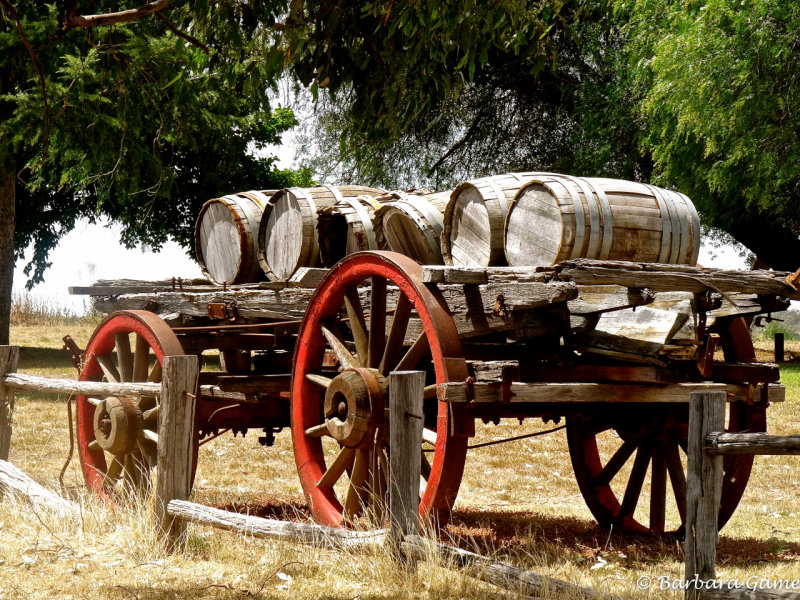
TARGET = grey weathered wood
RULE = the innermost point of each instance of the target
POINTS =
(703, 489)
(447, 274)
(607, 298)
(597, 392)
(722, 444)
(307, 277)
(34, 383)
(175, 439)
(406, 419)
(660, 277)
(15, 482)
(305, 533)
(9, 358)
(498, 573)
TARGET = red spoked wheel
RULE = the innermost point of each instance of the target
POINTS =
(339, 421)
(613, 451)
(118, 437)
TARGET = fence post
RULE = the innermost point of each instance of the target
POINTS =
(703, 490)
(779, 348)
(175, 439)
(406, 390)
(9, 358)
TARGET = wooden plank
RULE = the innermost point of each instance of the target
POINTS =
(570, 393)
(504, 575)
(607, 298)
(659, 277)
(288, 303)
(305, 533)
(176, 437)
(406, 389)
(723, 444)
(307, 277)
(14, 482)
(9, 359)
(34, 383)
(480, 275)
(704, 489)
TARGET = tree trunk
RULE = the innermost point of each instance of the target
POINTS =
(7, 223)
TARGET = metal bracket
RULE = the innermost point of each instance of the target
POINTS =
(222, 310)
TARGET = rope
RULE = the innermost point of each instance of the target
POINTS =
(71, 442)
(515, 438)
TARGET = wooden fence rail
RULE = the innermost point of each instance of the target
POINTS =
(707, 445)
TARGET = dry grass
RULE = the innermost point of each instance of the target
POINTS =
(517, 500)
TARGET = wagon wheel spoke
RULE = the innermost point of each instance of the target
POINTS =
(377, 322)
(425, 467)
(339, 347)
(429, 435)
(677, 477)
(155, 373)
(94, 401)
(397, 335)
(320, 380)
(150, 417)
(378, 475)
(114, 470)
(357, 490)
(658, 489)
(414, 355)
(124, 357)
(141, 360)
(358, 325)
(634, 487)
(342, 462)
(616, 462)
(108, 367)
(430, 391)
(318, 431)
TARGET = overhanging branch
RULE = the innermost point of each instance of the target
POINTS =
(75, 21)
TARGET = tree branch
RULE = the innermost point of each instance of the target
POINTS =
(13, 12)
(74, 21)
(181, 34)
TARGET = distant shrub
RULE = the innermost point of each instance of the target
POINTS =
(788, 325)
(30, 309)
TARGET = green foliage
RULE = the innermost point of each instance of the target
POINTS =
(143, 126)
(718, 97)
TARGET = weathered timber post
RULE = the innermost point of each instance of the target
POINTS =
(703, 491)
(175, 439)
(9, 358)
(406, 390)
(779, 348)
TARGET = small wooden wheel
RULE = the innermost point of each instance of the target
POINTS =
(613, 451)
(339, 421)
(118, 437)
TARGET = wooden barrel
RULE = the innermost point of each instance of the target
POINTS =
(557, 217)
(288, 238)
(225, 237)
(346, 227)
(411, 223)
(475, 217)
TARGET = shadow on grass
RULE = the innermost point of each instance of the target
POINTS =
(577, 540)
(44, 358)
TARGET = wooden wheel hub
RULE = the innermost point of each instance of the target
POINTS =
(117, 422)
(354, 406)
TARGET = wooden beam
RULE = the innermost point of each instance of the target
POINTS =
(703, 491)
(597, 392)
(606, 298)
(176, 425)
(723, 444)
(305, 533)
(15, 482)
(503, 575)
(9, 359)
(406, 419)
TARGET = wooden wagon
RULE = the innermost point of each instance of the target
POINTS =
(607, 346)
